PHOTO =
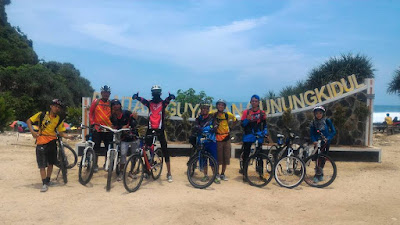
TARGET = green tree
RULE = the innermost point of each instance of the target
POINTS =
(190, 96)
(77, 85)
(333, 70)
(74, 116)
(15, 47)
(340, 67)
(6, 114)
(394, 85)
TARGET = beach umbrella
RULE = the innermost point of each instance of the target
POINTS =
(23, 124)
(67, 126)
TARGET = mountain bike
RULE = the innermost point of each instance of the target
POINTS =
(66, 157)
(321, 170)
(88, 160)
(145, 161)
(112, 162)
(289, 169)
(258, 168)
(200, 163)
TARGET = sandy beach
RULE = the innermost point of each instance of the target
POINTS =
(363, 193)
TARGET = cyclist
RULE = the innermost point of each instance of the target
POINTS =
(223, 137)
(157, 108)
(129, 140)
(325, 126)
(254, 123)
(100, 112)
(46, 148)
(205, 124)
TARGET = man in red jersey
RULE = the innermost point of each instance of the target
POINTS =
(157, 108)
(100, 112)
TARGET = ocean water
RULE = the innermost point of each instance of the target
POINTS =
(380, 112)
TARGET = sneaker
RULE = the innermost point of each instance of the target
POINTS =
(119, 178)
(51, 183)
(169, 178)
(96, 169)
(223, 177)
(315, 179)
(205, 178)
(44, 188)
(321, 178)
(217, 179)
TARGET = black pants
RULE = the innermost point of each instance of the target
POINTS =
(98, 137)
(246, 152)
(161, 137)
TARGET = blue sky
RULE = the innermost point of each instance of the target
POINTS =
(229, 49)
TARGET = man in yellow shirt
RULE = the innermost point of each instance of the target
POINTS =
(223, 137)
(46, 149)
(388, 119)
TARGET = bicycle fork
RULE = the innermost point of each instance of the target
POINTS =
(108, 159)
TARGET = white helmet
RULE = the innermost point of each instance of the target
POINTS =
(320, 108)
(156, 88)
(221, 101)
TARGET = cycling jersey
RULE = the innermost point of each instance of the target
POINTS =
(125, 119)
(206, 125)
(223, 126)
(100, 112)
(257, 124)
(156, 112)
(47, 128)
(325, 126)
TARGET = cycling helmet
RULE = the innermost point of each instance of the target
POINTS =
(115, 102)
(204, 104)
(57, 102)
(221, 101)
(319, 108)
(156, 89)
(105, 88)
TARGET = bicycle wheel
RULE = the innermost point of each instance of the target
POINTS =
(241, 163)
(71, 156)
(133, 173)
(202, 170)
(110, 169)
(86, 167)
(157, 165)
(258, 171)
(62, 163)
(289, 171)
(321, 171)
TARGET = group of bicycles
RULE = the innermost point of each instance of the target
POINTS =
(145, 161)
(287, 164)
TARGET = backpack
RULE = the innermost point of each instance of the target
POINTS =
(218, 120)
(42, 115)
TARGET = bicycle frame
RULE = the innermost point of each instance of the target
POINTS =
(143, 151)
(117, 141)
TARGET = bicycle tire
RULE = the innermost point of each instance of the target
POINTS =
(157, 166)
(329, 170)
(287, 172)
(86, 168)
(195, 170)
(70, 154)
(133, 173)
(241, 162)
(110, 170)
(62, 161)
(254, 171)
